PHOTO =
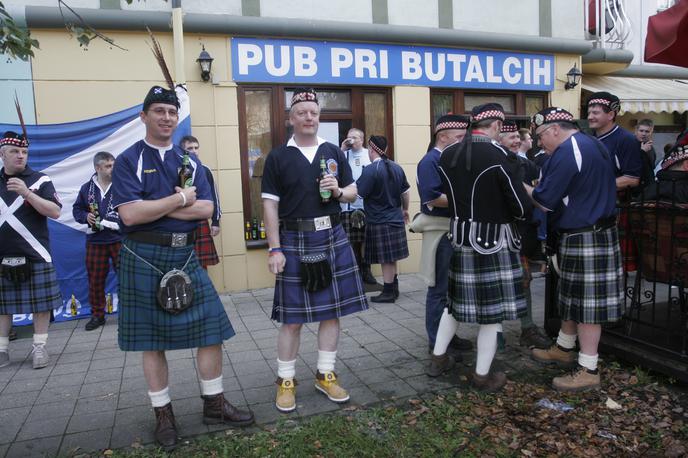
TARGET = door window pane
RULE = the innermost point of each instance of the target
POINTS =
(534, 104)
(328, 100)
(473, 100)
(259, 136)
(442, 104)
(375, 108)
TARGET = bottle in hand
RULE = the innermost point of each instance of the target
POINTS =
(186, 172)
(94, 210)
(325, 194)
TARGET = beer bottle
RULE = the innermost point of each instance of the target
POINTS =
(186, 172)
(262, 229)
(254, 229)
(72, 306)
(325, 194)
(247, 231)
(108, 303)
(94, 209)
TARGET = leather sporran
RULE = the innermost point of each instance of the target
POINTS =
(16, 269)
(175, 292)
(358, 219)
(316, 273)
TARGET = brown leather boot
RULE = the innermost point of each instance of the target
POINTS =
(555, 355)
(165, 427)
(494, 381)
(216, 409)
(439, 365)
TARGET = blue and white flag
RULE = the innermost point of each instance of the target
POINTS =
(65, 153)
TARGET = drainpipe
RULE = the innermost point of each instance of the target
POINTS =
(178, 36)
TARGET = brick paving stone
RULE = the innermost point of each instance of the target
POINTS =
(392, 389)
(85, 442)
(38, 428)
(46, 446)
(70, 368)
(107, 363)
(9, 401)
(111, 387)
(96, 404)
(61, 380)
(59, 393)
(103, 375)
(91, 421)
(58, 409)
(256, 380)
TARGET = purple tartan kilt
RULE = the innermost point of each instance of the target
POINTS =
(38, 294)
(344, 296)
(486, 289)
(385, 243)
(355, 235)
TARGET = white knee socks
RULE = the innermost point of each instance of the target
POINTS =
(40, 339)
(588, 361)
(212, 387)
(566, 341)
(286, 369)
(160, 398)
(487, 347)
(445, 333)
(326, 361)
(4, 344)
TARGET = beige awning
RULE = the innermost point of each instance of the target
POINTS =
(644, 95)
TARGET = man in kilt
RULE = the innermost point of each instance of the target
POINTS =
(353, 213)
(317, 276)
(486, 198)
(28, 283)
(205, 246)
(103, 238)
(159, 224)
(578, 190)
(385, 193)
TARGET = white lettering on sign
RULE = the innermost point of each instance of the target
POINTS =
(270, 63)
(365, 59)
(304, 61)
(340, 58)
(507, 72)
(475, 70)
(541, 71)
(434, 75)
(384, 64)
(491, 77)
(410, 65)
(456, 60)
(249, 55)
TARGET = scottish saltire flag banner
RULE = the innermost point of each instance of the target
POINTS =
(65, 153)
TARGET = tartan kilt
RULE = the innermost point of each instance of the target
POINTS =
(629, 250)
(486, 289)
(590, 288)
(355, 235)
(143, 325)
(205, 246)
(40, 293)
(345, 295)
(385, 243)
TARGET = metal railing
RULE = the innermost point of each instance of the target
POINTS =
(606, 23)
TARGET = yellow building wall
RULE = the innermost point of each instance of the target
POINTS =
(105, 79)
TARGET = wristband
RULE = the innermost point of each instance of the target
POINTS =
(341, 193)
(274, 251)
(183, 199)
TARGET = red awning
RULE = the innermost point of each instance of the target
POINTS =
(667, 36)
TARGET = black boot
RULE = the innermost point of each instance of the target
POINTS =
(165, 427)
(367, 275)
(387, 294)
(396, 287)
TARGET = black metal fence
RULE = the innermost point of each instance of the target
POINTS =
(653, 228)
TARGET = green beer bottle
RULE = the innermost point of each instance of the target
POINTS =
(325, 194)
(186, 172)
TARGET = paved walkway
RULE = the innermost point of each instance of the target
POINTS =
(93, 396)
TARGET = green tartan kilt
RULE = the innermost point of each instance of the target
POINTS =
(143, 325)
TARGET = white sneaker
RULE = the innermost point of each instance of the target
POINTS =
(4, 358)
(40, 356)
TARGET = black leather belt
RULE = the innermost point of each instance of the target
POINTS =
(172, 239)
(310, 224)
(600, 225)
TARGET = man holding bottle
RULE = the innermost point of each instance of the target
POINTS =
(93, 206)
(317, 280)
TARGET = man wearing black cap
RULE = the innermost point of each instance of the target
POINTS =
(433, 223)
(167, 301)
(672, 178)
(486, 198)
(623, 146)
(385, 193)
(578, 190)
(28, 283)
(510, 139)
(317, 280)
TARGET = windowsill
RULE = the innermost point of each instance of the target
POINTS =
(256, 244)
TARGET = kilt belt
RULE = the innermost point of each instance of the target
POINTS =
(171, 239)
(310, 224)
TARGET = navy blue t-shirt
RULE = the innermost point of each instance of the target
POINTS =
(429, 183)
(289, 178)
(625, 150)
(91, 192)
(141, 174)
(381, 189)
(24, 231)
(578, 183)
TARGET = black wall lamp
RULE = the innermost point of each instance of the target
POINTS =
(206, 62)
(573, 78)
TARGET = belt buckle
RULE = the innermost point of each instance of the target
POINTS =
(322, 223)
(178, 239)
(14, 261)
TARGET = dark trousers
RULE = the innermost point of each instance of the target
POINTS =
(436, 299)
(98, 265)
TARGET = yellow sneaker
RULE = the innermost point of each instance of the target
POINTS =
(328, 385)
(286, 394)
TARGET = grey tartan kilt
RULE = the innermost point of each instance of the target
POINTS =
(345, 295)
(486, 289)
(40, 293)
(590, 288)
(355, 235)
(385, 243)
(144, 325)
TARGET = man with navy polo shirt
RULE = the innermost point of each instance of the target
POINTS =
(28, 283)
(433, 223)
(93, 206)
(578, 190)
(317, 278)
(167, 301)
(623, 146)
